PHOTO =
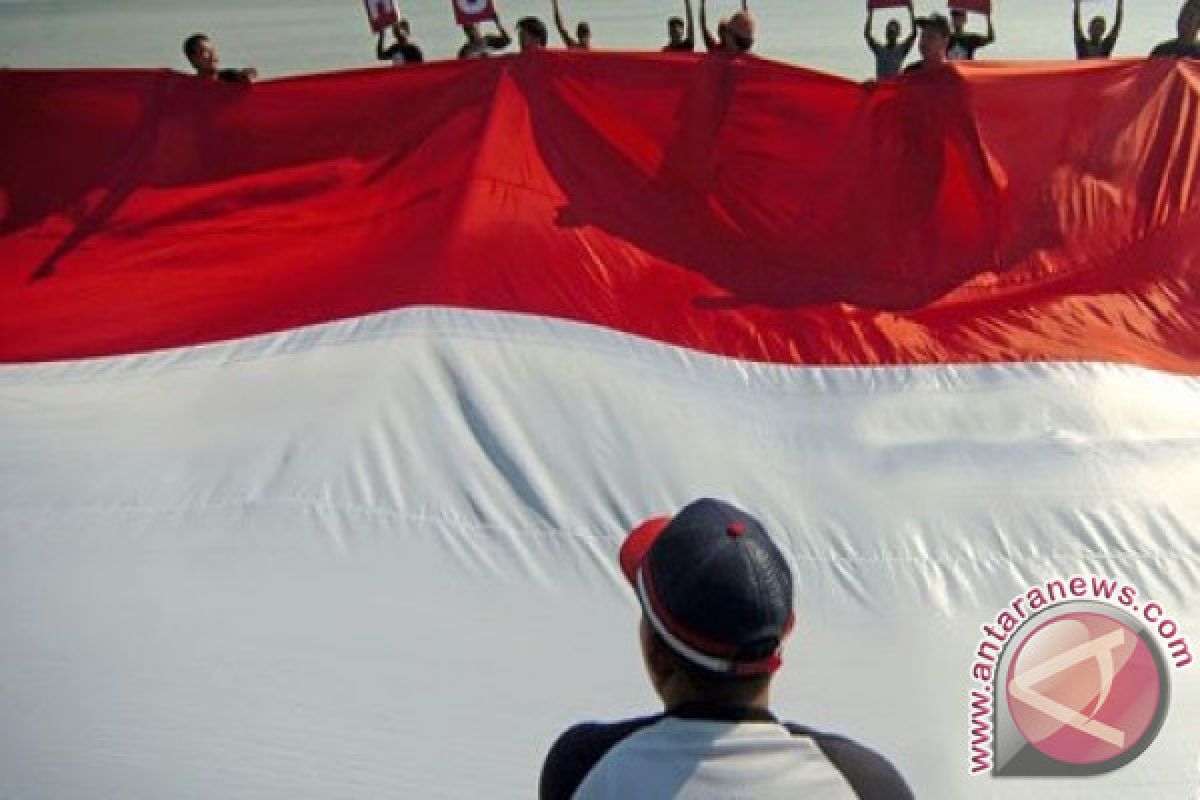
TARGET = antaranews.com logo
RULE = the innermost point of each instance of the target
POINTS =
(1073, 678)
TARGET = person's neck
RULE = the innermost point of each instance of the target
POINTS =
(676, 697)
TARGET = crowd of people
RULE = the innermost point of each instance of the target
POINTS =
(715, 593)
(943, 39)
(732, 34)
(939, 39)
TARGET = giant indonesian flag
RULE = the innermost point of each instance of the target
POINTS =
(327, 402)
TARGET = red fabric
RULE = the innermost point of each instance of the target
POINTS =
(878, 4)
(467, 11)
(740, 207)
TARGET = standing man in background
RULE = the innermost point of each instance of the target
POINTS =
(582, 40)
(1095, 44)
(1187, 26)
(677, 41)
(962, 44)
(890, 55)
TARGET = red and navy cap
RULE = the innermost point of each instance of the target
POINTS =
(713, 585)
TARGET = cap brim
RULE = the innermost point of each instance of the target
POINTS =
(638, 543)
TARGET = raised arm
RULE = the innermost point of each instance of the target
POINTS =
(745, 5)
(710, 42)
(991, 34)
(568, 40)
(1079, 20)
(1116, 29)
(871, 43)
(380, 53)
(500, 39)
(691, 22)
(912, 26)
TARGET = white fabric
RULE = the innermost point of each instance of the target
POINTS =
(704, 760)
(378, 557)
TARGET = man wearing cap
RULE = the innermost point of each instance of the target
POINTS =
(933, 43)
(962, 44)
(1188, 26)
(716, 600)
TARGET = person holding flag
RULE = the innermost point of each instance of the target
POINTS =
(582, 40)
(734, 34)
(1185, 45)
(962, 44)
(681, 39)
(532, 34)
(479, 45)
(403, 51)
(935, 38)
(1095, 44)
(201, 53)
(892, 52)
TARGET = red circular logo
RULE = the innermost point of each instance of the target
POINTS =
(1083, 688)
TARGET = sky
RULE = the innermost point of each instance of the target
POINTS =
(285, 37)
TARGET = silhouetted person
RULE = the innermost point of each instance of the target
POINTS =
(202, 54)
(479, 45)
(717, 602)
(1094, 44)
(1187, 26)
(403, 50)
(932, 43)
(962, 44)
(681, 39)
(531, 34)
(582, 40)
(734, 35)
(892, 52)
